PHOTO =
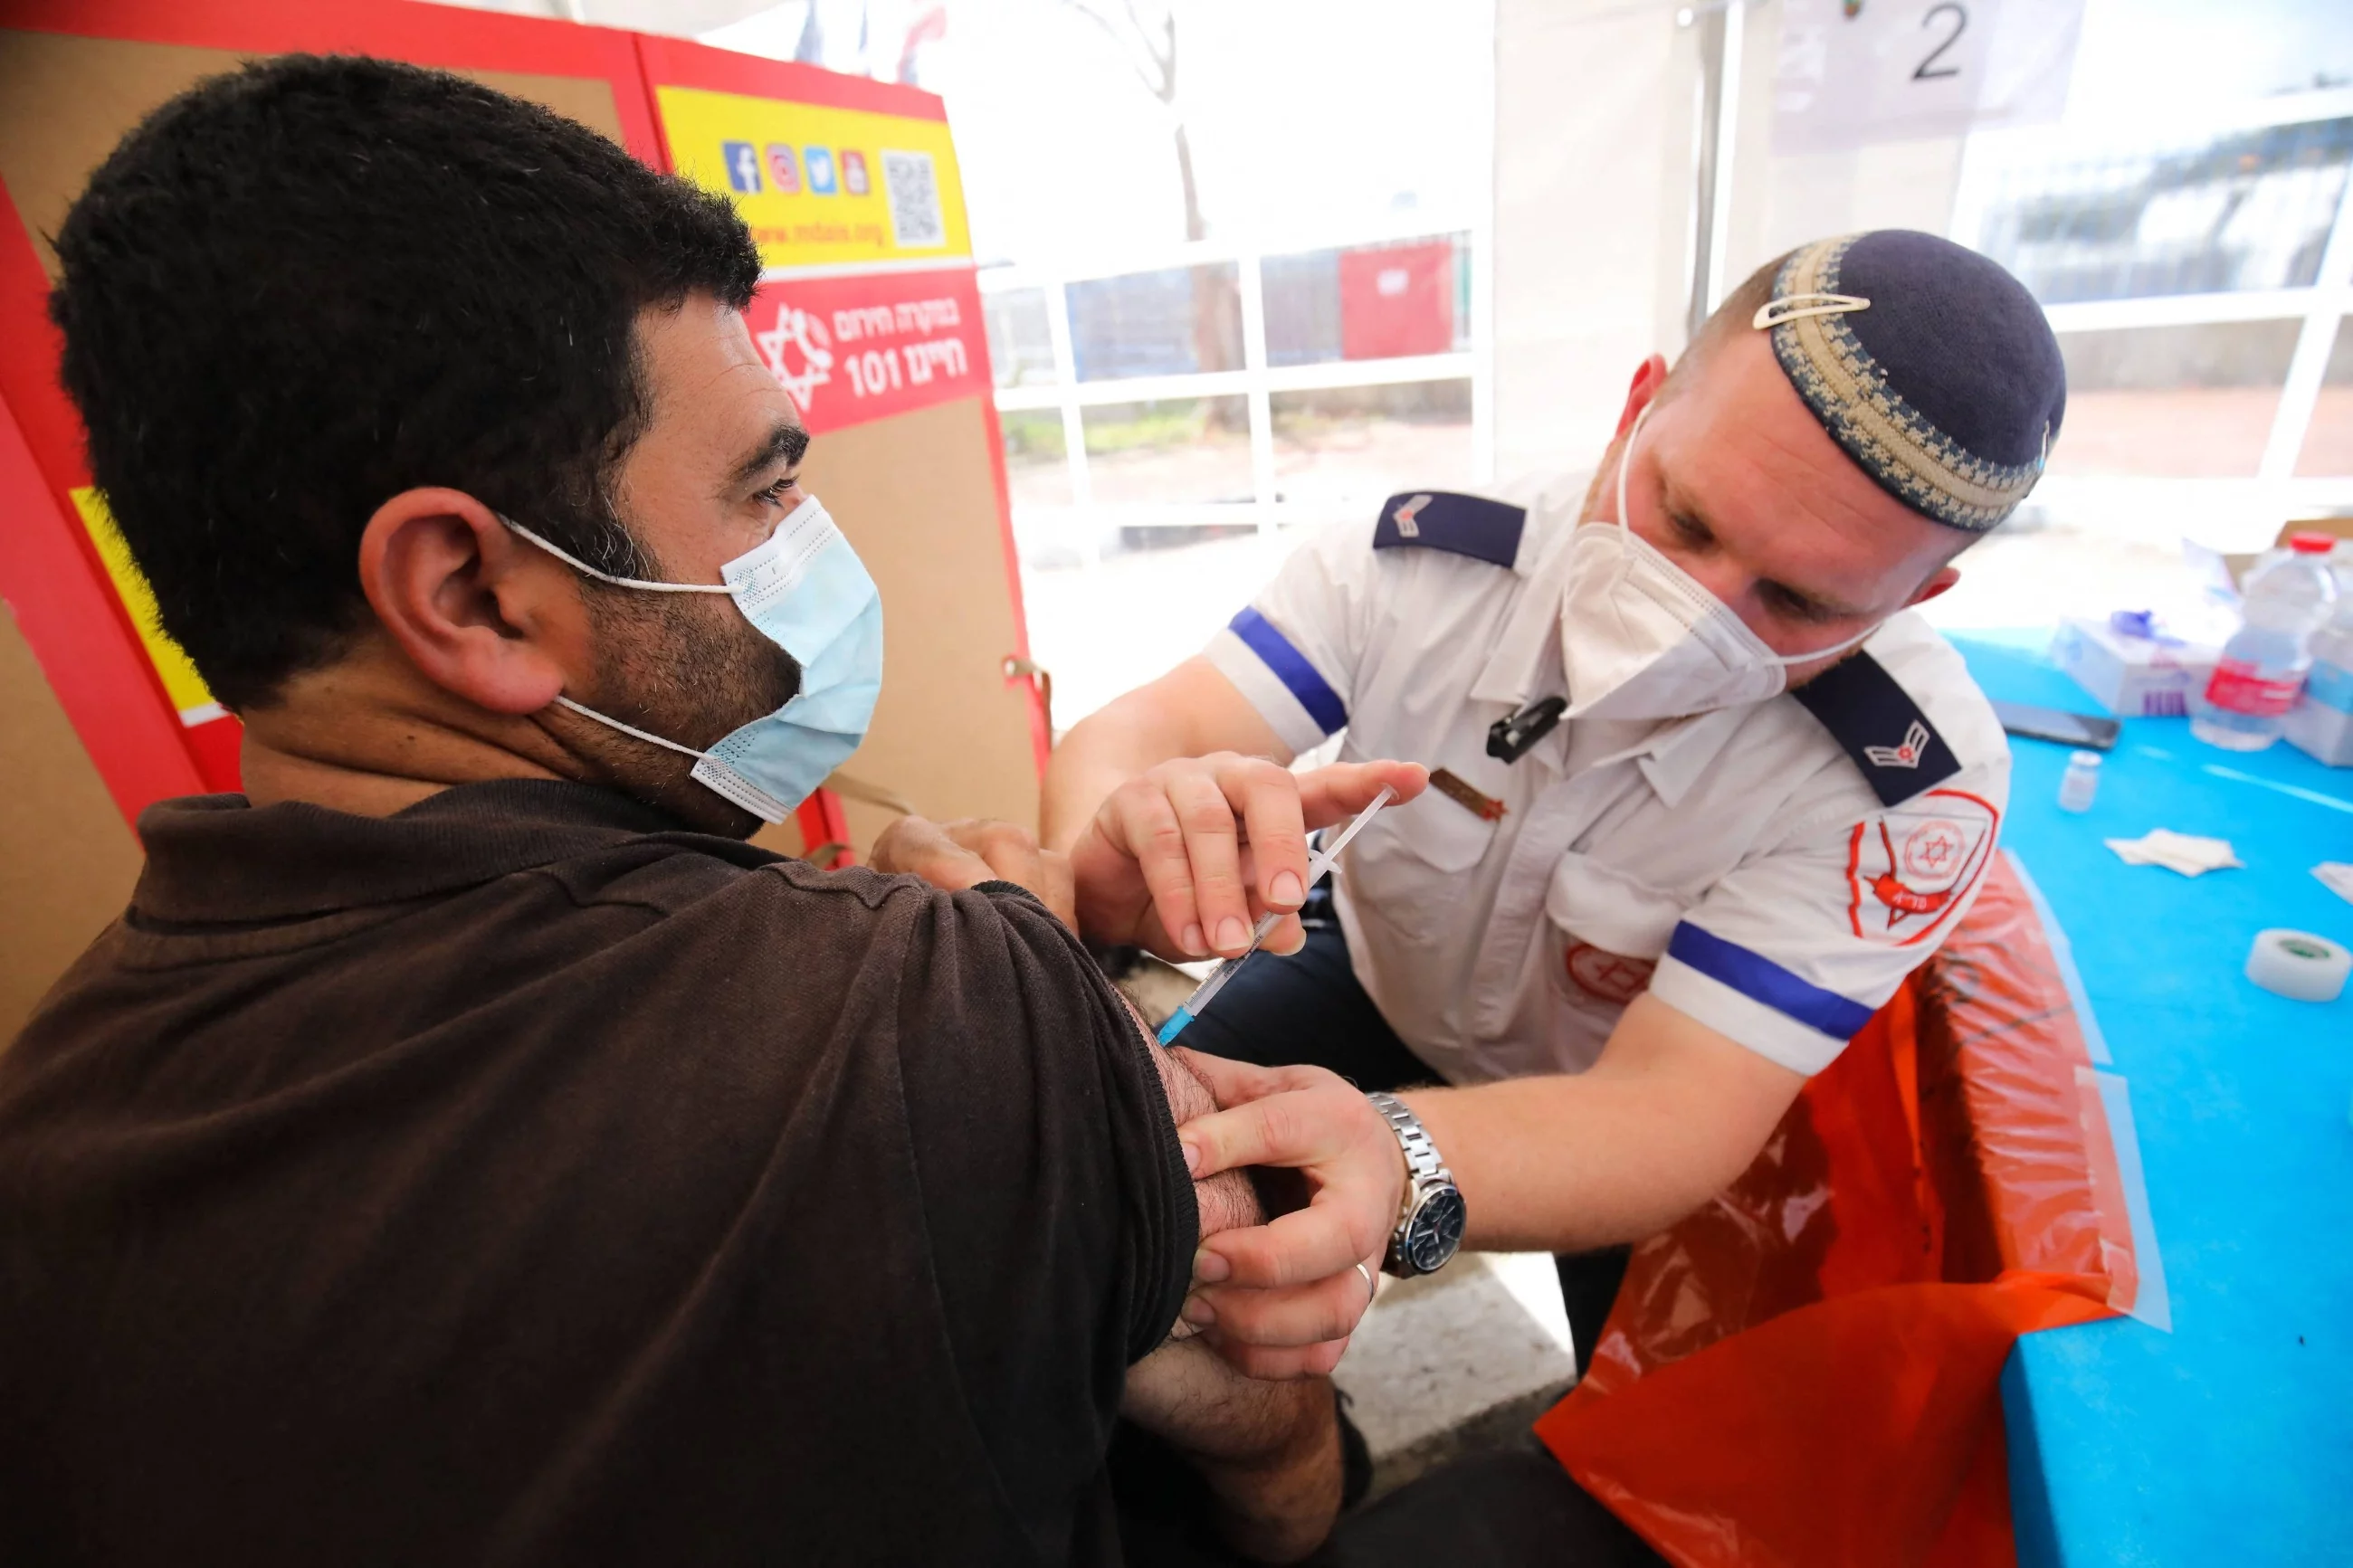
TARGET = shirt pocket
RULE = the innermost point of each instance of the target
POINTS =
(1609, 929)
(1410, 866)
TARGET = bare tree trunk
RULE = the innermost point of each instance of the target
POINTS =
(1197, 227)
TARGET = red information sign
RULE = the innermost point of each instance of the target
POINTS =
(855, 349)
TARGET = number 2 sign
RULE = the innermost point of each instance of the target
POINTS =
(1854, 72)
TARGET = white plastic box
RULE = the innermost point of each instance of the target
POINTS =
(2320, 725)
(2133, 677)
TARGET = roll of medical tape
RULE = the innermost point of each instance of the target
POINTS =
(2298, 964)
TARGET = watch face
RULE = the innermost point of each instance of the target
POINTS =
(1436, 1230)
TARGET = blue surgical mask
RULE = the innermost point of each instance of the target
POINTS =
(806, 590)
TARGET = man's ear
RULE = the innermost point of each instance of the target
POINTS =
(1649, 376)
(480, 613)
(1944, 577)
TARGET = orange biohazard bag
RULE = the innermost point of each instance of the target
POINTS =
(1806, 1371)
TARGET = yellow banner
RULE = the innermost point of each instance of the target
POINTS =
(821, 186)
(180, 681)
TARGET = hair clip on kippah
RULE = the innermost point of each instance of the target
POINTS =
(1792, 306)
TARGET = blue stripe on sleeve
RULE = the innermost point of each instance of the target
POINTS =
(1291, 668)
(1760, 979)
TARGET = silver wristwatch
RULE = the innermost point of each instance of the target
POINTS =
(1430, 1224)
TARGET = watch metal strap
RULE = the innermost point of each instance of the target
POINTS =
(1420, 1154)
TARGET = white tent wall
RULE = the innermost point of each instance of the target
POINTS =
(1594, 121)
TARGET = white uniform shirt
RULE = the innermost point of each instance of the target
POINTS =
(1738, 865)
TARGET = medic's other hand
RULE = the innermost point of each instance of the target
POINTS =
(1185, 858)
(973, 849)
(1280, 1300)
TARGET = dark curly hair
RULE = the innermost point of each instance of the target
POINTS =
(300, 288)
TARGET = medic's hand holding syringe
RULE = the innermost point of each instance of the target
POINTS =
(1318, 862)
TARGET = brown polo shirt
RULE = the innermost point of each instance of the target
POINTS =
(524, 1179)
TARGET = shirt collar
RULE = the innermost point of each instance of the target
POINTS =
(1526, 659)
(213, 858)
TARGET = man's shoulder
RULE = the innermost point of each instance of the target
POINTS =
(1932, 674)
(1510, 526)
(1904, 721)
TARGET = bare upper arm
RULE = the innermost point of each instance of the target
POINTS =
(1223, 720)
(1716, 1096)
(1193, 711)
(1227, 1201)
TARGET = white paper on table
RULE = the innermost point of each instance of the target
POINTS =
(2337, 877)
(2183, 852)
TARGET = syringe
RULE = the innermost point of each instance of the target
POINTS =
(1318, 862)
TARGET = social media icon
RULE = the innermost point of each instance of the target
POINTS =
(743, 162)
(783, 170)
(818, 161)
(853, 172)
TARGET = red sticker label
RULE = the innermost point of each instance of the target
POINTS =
(2236, 687)
(1608, 976)
(1908, 871)
(854, 349)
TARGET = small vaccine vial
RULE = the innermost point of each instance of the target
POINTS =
(2081, 781)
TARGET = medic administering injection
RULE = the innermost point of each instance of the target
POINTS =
(1704, 788)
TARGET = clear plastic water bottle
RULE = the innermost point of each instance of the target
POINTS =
(2287, 596)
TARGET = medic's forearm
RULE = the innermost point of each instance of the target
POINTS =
(1669, 1116)
(1105, 751)
(1561, 1164)
(1190, 711)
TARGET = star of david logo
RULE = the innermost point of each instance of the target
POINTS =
(799, 353)
(1933, 848)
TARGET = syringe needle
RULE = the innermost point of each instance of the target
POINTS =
(1318, 863)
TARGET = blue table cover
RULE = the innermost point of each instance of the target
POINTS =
(2229, 1440)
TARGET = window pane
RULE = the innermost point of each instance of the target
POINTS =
(1303, 307)
(2175, 402)
(1362, 443)
(2329, 442)
(2078, 219)
(1037, 461)
(1374, 301)
(1171, 323)
(1020, 349)
(1178, 450)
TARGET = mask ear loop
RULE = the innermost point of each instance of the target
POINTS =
(612, 723)
(1626, 559)
(587, 571)
(1625, 527)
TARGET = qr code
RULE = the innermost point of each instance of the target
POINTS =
(914, 200)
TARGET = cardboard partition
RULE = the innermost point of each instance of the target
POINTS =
(868, 311)
(74, 77)
(868, 314)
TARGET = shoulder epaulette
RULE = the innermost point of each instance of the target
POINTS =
(1462, 525)
(1879, 727)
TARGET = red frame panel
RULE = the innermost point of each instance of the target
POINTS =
(76, 626)
(421, 34)
(674, 62)
(50, 571)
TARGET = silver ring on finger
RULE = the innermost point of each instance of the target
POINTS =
(1372, 1286)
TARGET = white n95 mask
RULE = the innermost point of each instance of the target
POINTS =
(1641, 638)
(805, 590)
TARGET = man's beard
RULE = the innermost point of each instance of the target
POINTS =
(691, 669)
